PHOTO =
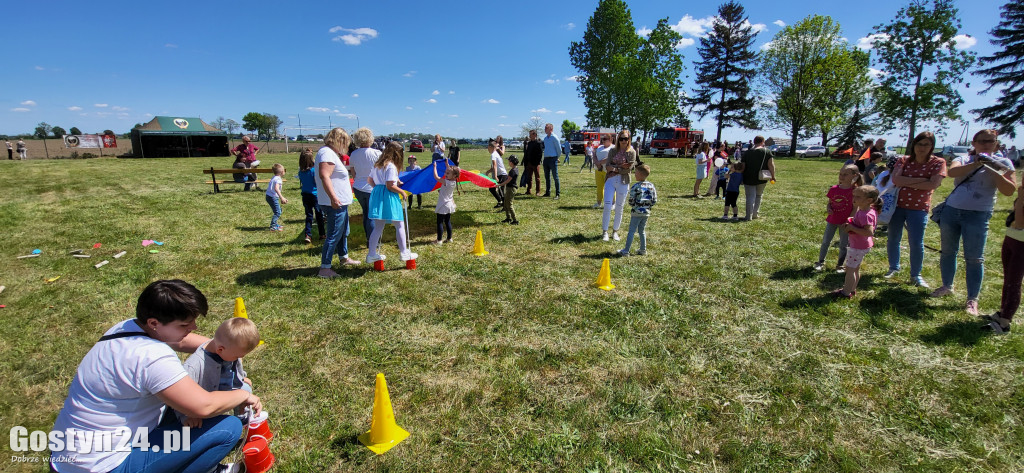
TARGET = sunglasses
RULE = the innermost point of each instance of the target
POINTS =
(986, 141)
(623, 139)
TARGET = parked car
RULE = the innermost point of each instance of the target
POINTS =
(814, 151)
(953, 152)
(415, 145)
(781, 150)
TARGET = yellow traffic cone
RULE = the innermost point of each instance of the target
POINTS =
(604, 278)
(478, 247)
(384, 433)
(240, 308)
(240, 311)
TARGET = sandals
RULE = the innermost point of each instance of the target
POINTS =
(994, 324)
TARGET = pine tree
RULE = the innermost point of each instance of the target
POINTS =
(1003, 71)
(726, 68)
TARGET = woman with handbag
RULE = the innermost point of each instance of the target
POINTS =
(917, 176)
(759, 168)
(966, 212)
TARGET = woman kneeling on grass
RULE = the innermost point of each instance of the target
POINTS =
(126, 379)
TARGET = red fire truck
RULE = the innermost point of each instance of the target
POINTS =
(580, 137)
(675, 141)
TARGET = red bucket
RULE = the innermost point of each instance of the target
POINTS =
(410, 264)
(378, 265)
(259, 428)
(258, 458)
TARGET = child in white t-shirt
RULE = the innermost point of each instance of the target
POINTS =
(274, 197)
(445, 200)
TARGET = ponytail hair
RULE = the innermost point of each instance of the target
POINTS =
(859, 179)
(872, 193)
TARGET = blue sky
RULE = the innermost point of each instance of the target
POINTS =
(459, 68)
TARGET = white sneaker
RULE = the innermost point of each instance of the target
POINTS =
(819, 266)
(408, 255)
(890, 274)
(604, 236)
(615, 236)
(622, 252)
(230, 468)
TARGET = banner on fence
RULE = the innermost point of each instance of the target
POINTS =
(90, 141)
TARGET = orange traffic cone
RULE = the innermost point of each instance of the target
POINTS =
(384, 433)
(478, 246)
(240, 311)
(604, 278)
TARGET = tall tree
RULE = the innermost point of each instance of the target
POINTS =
(43, 130)
(653, 89)
(536, 124)
(230, 126)
(845, 83)
(59, 132)
(792, 73)
(726, 69)
(568, 126)
(608, 48)
(1003, 71)
(75, 131)
(923, 66)
(253, 121)
(272, 123)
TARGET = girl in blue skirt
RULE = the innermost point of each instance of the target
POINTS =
(386, 202)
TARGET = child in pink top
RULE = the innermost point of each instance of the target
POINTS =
(861, 228)
(840, 207)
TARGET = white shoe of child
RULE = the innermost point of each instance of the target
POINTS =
(408, 255)
(615, 236)
(604, 236)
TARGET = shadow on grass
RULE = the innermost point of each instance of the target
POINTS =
(807, 302)
(347, 445)
(575, 239)
(575, 207)
(269, 244)
(253, 229)
(719, 220)
(792, 273)
(961, 332)
(607, 254)
(898, 301)
(266, 277)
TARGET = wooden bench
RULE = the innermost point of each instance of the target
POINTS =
(231, 180)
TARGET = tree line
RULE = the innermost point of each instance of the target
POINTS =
(808, 79)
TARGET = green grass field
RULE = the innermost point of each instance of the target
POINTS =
(718, 351)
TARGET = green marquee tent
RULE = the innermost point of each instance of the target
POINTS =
(175, 137)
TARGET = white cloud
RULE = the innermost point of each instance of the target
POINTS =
(570, 26)
(644, 31)
(758, 27)
(409, 74)
(350, 116)
(436, 92)
(451, 92)
(355, 36)
(74, 108)
(685, 42)
(779, 23)
(119, 109)
(40, 68)
(868, 41)
(99, 105)
(171, 46)
(877, 74)
(29, 103)
(454, 116)
(964, 41)
(691, 26)
(561, 112)
(408, 107)
(767, 46)
(573, 78)
(551, 81)
(355, 96)
(541, 110)
(489, 101)
(431, 100)
(318, 109)
(20, 109)
(387, 122)
(503, 116)
(336, 111)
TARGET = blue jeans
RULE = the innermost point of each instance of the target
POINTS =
(972, 226)
(551, 166)
(364, 203)
(209, 445)
(275, 206)
(337, 234)
(638, 225)
(916, 221)
(312, 213)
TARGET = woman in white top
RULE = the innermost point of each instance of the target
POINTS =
(702, 167)
(360, 164)
(437, 149)
(123, 383)
(334, 197)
